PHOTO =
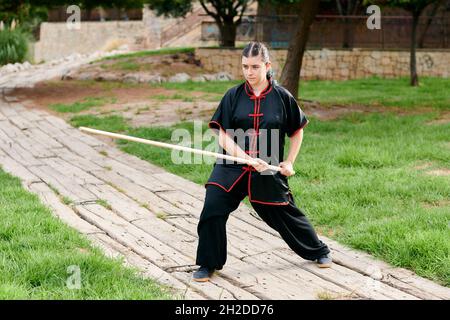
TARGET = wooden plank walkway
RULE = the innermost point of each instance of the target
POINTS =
(151, 217)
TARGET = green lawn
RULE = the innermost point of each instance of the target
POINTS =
(147, 53)
(357, 181)
(432, 92)
(85, 104)
(37, 252)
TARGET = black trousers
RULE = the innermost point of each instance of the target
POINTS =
(288, 220)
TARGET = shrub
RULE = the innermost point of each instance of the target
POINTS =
(13, 46)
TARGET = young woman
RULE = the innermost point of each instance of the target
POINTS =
(265, 112)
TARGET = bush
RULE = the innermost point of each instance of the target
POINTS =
(13, 46)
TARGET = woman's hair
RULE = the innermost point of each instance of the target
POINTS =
(254, 49)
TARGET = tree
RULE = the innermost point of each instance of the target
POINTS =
(226, 13)
(432, 14)
(290, 76)
(23, 10)
(348, 8)
(30, 13)
(415, 7)
(90, 5)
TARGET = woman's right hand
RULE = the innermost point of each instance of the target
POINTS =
(260, 165)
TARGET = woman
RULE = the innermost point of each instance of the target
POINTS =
(252, 121)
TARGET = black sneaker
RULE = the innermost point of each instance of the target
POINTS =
(324, 261)
(203, 274)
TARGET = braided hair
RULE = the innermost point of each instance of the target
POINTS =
(254, 49)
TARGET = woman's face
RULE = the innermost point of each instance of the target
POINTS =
(254, 69)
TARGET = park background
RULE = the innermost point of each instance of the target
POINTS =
(373, 172)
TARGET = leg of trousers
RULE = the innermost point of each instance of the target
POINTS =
(294, 227)
(288, 220)
(211, 229)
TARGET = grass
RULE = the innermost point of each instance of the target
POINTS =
(104, 204)
(147, 53)
(122, 65)
(186, 97)
(357, 181)
(218, 87)
(141, 110)
(85, 104)
(38, 256)
(432, 92)
(161, 215)
(175, 96)
(67, 201)
(114, 123)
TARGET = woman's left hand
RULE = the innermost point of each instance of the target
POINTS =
(287, 169)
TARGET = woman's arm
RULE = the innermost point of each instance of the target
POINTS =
(296, 142)
(227, 143)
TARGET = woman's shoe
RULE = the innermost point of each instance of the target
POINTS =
(203, 274)
(324, 261)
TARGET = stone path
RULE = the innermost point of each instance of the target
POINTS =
(49, 70)
(149, 217)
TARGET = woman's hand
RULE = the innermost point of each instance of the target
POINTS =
(261, 165)
(287, 169)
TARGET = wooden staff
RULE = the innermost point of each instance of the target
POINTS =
(175, 147)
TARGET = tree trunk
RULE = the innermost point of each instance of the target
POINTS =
(290, 75)
(227, 34)
(349, 29)
(348, 33)
(428, 23)
(412, 59)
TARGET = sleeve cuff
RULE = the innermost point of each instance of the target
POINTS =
(215, 125)
(304, 125)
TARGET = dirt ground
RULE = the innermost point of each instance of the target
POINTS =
(139, 104)
(165, 65)
(142, 104)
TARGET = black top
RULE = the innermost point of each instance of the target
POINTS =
(259, 126)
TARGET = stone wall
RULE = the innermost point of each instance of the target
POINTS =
(337, 64)
(57, 41)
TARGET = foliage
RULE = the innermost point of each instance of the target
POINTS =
(13, 46)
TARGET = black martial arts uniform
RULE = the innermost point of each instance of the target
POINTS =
(266, 120)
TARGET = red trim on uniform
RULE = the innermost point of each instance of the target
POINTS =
(239, 178)
(213, 121)
(250, 192)
(271, 203)
(249, 90)
(255, 114)
(220, 126)
(216, 184)
(267, 92)
(234, 183)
